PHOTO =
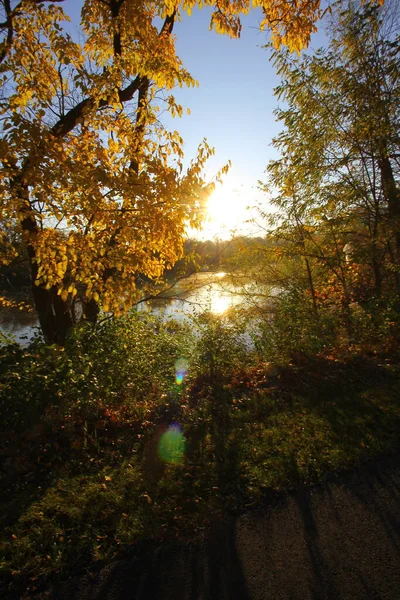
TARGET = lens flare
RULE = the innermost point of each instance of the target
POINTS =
(181, 369)
(171, 447)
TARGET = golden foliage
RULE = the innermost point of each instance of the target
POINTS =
(6, 302)
(88, 176)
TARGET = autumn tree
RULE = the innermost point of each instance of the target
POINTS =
(91, 181)
(338, 175)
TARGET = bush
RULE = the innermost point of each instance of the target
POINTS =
(293, 328)
(121, 368)
(221, 346)
(376, 326)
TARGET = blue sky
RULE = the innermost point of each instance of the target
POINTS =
(233, 107)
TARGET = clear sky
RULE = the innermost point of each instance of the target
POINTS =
(232, 108)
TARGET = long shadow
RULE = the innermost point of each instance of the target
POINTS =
(378, 477)
(210, 571)
(213, 570)
(325, 585)
(23, 481)
(226, 578)
(375, 489)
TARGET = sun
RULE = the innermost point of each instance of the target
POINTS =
(226, 211)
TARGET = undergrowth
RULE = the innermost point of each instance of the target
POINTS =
(87, 471)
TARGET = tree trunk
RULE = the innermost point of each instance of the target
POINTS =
(91, 311)
(311, 286)
(54, 314)
(392, 196)
(376, 268)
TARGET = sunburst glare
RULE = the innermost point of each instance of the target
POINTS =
(226, 210)
(220, 303)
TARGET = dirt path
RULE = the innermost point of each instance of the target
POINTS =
(336, 541)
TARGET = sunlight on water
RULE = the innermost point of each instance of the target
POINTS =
(220, 302)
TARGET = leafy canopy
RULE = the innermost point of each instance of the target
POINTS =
(89, 178)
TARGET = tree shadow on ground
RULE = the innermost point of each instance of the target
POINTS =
(352, 532)
(205, 570)
(324, 583)
(328, 542)
(175, 572)
(369, 491)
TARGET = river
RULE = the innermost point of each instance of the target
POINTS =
(190, 296)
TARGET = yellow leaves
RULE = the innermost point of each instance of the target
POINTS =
(60, 269)
(175, 109)
(38, 44)
(290, 25)
(225, 169)
(112, 195)
(6, 302)
(113, 146)
(51, 258)
(23, 98)
(170, 6)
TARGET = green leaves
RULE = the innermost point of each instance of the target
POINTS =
(335, 181)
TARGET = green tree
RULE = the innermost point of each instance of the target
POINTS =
(337, 179)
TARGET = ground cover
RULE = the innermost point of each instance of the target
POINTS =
(160, 452)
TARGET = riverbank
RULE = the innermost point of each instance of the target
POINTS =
(126, 450)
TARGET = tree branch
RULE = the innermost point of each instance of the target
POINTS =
(10, 31)
(74, 116)
(8, 24)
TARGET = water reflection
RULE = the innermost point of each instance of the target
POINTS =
(220, 302)
(199, 292)
(19, 325)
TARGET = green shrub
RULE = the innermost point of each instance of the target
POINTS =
(376, 325)
(118, 368)
(292, 327)
(27, 387)
(221, 346)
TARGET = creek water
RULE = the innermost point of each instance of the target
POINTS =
(215, 292)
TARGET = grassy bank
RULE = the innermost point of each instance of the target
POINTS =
(89, 467)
